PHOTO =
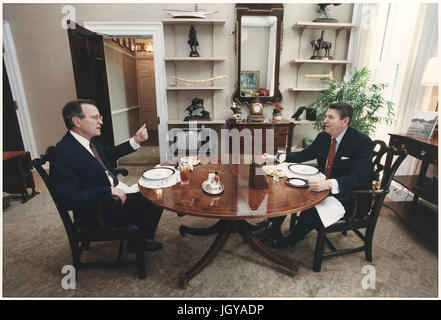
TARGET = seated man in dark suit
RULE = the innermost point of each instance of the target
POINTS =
(84, 179)
(344, 155)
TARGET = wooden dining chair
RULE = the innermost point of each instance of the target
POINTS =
(382, 178)
(80, 238)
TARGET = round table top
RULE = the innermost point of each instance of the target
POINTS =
(238, 201)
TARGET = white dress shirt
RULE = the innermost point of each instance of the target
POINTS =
(121, 185)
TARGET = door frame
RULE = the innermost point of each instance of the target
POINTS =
(140, 29)
(17, 89)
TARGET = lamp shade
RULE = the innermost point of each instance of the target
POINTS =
(431, 76)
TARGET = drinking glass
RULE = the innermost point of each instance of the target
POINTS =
(281, 154)
(184, 169)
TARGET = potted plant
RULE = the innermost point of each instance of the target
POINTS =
(277, 112)
(365, 97)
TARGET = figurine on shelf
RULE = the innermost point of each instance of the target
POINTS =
(327, 46)
(197, 104)
(237, 111)
(298, 113)
(320, 44)
(193, 42)
(317, 45)
(323, 8)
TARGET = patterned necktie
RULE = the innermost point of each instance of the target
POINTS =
(331, 155)
(97, 156)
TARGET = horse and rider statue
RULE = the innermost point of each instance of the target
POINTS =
(197, 104)
(318, 46)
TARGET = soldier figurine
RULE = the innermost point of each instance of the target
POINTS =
(193, 42)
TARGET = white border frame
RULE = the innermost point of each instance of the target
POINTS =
(14, 75)
(141, 29)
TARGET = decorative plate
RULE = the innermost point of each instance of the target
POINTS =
(297, 182)
(302, 169)
(158, 173)
(212, 188)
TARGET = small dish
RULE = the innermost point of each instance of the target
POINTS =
(158, 173)
(297, 182)
(303, 169)
(212, 188)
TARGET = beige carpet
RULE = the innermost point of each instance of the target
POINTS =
(145, 155)
(35, 248)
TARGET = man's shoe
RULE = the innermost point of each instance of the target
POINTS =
(269, 240)
(147, 246)
(288, 241)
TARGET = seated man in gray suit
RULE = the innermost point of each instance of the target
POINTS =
(344, 155)
(84, 179)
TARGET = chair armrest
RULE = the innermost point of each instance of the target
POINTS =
(354, 193)
(122, 171)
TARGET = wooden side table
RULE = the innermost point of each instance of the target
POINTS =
(282, 132)
(419, 217)
(17, 175)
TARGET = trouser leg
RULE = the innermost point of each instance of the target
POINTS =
(308, 220)
(136, 210)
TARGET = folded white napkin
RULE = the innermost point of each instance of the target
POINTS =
(164, 183)
(330, 211)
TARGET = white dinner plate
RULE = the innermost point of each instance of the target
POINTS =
(303, 169)
(297, 182)
(158, 173)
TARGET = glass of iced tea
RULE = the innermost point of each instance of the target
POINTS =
(184, 169)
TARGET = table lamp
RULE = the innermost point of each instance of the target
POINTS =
(431, 75)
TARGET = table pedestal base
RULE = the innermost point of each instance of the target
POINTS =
(224, 228)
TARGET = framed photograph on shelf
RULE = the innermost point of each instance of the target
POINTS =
(249, 81)
(423, 123)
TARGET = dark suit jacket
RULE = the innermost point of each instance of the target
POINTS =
(352, 172)
(80, 182)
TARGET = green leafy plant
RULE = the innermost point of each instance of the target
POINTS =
(366, 98)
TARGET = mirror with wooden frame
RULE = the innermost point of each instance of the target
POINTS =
(258, 44)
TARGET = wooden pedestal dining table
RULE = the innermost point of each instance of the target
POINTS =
(232, 208)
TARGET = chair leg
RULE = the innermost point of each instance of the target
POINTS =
(318, 254)
(139, 243)
(120, 251)
(368, 246)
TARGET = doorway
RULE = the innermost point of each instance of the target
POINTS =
(131, 81)
(143, 30)
(12, 139)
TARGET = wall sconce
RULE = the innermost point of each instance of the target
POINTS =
(148, 47)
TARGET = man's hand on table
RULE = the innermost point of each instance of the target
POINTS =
(318, 185)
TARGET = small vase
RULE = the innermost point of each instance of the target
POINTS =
(277, 116)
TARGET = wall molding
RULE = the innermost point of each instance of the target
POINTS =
(14, 74)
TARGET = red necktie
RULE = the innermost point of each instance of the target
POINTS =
(97, 156)
(331, 155)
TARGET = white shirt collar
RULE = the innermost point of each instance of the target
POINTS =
(339, 137)
(83, 141)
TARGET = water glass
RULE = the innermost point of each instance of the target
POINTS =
(281, 154)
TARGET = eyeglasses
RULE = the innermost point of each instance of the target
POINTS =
(97, 117)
